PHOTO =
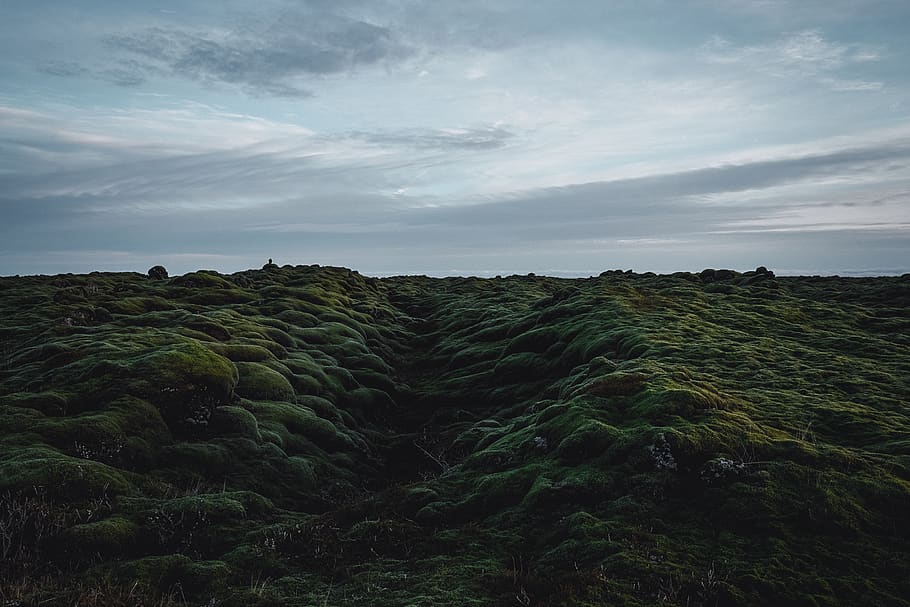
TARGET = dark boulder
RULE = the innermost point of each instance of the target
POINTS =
(157, 273)
(707, 275)
(763, 271)
(761, 274)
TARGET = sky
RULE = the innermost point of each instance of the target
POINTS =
(455, 138)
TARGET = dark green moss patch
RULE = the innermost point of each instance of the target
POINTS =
(258, 382)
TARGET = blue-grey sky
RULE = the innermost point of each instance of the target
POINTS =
(494, 137)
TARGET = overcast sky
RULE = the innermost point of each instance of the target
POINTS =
(469, 137)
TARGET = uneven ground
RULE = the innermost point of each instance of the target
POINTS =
(310, 436)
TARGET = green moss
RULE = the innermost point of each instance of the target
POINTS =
(207, 327)
(292, 419)
(193, 578)
(111, 537)
(278, 336)
(684, 402)
(243, 352)
(68, 477)
(202, 280)
(258, 382)
(589, 440)
(50, 403)
(102, 430)
(537, 340)
(306, 435)
(370, 401)
(502, 489)
(135, 306)
(232, 420)
(255, 339)
(186, 381)
(297, 318)
(307, 385)
(188, 366)
(522, 367)
(210, 508)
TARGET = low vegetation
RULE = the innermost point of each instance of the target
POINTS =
(310, 436)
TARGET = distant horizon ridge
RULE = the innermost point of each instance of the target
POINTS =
(551, 273)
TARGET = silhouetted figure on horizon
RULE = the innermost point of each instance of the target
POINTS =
(270, 261)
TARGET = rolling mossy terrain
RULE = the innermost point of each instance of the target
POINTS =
(310, 436)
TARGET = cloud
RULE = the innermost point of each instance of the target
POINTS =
(789, 10)
(606, 199)
(69, 141)
(837, 84)
(331, 197)
(126, 73)
(241, 172)
(476, 138)
(802, 54)
(63, 69)
(270, 60)
(123, 72)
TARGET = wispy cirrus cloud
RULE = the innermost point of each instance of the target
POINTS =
(122, 72)
(802, 54)
(471, 138)
(63, 69)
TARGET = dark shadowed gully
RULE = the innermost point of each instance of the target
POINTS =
(310, 436)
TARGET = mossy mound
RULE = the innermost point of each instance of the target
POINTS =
(262, 383)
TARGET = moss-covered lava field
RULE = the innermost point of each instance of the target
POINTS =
(311, 436)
